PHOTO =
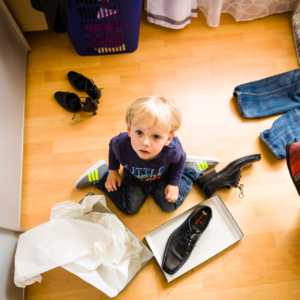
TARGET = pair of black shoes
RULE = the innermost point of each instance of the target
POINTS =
(72, 103)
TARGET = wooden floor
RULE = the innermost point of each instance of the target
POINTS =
(199, 66)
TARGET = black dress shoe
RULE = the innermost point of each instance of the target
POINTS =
(82, 83)
(229, 176)
(72, 103)
(182, 241)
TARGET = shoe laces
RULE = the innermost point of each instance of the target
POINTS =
(187, 238)
(241, 195)
(240, 186)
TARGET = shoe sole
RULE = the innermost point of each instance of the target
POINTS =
(250, 159)
(94, 167)
(191, 158)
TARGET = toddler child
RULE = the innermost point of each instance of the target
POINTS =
(153, 159)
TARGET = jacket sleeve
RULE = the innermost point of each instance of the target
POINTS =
(113, 156)
(176, 168)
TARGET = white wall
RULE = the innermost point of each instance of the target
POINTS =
(13, 56)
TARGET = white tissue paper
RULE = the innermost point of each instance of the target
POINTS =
(95, 246)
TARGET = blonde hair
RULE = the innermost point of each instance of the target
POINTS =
(155, 110)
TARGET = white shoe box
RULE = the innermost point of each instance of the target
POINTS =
(221, 233)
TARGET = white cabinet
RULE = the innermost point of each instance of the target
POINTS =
(8, 240)
(13, 55)
(26, 16)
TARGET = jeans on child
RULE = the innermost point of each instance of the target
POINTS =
(132, 194)
(270, 96)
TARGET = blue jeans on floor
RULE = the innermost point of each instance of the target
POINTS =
(132, 194)
(270, 96)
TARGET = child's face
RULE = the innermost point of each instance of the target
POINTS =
(148, 142)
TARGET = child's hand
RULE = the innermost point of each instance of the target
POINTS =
(171, 193)
(112, 179)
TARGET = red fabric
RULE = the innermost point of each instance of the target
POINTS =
(295, 158)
